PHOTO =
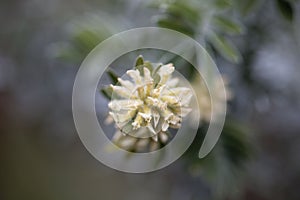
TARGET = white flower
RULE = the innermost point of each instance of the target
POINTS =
(145, 107)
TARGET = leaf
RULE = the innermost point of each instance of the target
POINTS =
(286, 9)
(235, 142)
(174, 24)
(64, 52)
(228, 25)
(247, 6)
(225, 48)
(222, 4)
(181, 10)
(113, 77)
(85, 40)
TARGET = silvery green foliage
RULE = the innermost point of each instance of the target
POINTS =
(84, 33)
(212, 23)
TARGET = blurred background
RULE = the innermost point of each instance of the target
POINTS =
(256, 45)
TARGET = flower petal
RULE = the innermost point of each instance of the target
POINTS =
(126, 104)
(165, 126)
(135, 75)
(172, 82)
(127, 84)
(165, 72)
(121, 91)
(147, 76)
(163, 137)
(156, 117)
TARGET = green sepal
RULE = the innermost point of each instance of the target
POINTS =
(156, 79)
(113, 77)
(141, 69)
(148, 65)
(155, 75)
(139, 61)
(107, 92)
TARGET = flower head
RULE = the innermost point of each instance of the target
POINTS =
(147, 105)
